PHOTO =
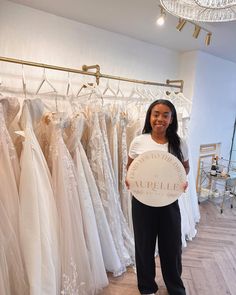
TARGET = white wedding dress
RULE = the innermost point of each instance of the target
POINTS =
(125, 197)
(87, 182)
(75, 265)
(38, 214)
(10, 172)
(188, 201)
(101, 164)
(12, 272)
(90, 225)
(112, 120)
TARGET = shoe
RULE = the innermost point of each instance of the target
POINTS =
(157, 292)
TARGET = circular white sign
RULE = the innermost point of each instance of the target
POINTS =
(156, 178)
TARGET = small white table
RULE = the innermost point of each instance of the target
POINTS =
(222, 181)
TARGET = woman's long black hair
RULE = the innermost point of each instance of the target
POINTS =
(171, 132)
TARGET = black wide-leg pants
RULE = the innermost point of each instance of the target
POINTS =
(164, 223)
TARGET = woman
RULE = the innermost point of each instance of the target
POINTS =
(164, 223)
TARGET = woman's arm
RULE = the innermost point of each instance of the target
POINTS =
(187, 168)
(130, 160)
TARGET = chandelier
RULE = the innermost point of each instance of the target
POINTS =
(202, 10)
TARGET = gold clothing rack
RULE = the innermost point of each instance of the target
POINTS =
(85, 71)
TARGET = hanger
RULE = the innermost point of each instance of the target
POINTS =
(94, 89)
(147, 95)
(119, 90)
(84, 86)
(23, 81)
(160, 93)
(69, 86)
(98, 94)
(108, 88)
(114, 97)
(151, 95)
(45, 79)
(135, 91)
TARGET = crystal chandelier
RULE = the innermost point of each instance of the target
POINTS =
(202, 10)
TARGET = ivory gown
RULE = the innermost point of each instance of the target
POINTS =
(75, 264)
(12, 272)
(90, 191)
(101, 164)
(88, 216)
(38, 213)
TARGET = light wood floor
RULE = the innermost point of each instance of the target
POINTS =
(209, 261)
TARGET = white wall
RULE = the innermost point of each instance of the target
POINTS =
(187, 72)
(30, 34)
(34, 35)
(213, 91)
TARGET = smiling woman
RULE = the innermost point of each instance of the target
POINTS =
(159, 134)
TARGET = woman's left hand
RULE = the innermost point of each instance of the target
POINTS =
(185, 186)
(127, 184)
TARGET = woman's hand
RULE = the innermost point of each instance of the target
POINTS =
(185, 186)
(127, 184)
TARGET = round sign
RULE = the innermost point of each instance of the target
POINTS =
(156, 178)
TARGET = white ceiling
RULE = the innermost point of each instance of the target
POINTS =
(136, 18)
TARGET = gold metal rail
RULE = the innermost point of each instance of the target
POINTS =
(97, 73)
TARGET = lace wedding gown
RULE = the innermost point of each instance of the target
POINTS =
(90, 225)
(75, 265)
(112, 120)
(123, 160)
(101, 165)
(88, 184)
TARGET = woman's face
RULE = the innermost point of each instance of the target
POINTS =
(161, 118)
